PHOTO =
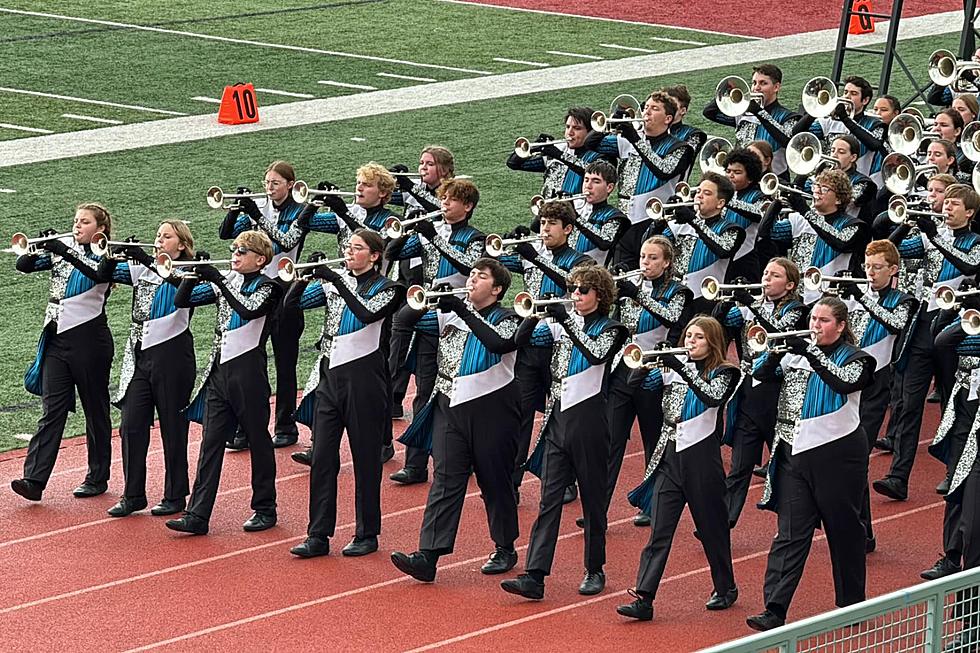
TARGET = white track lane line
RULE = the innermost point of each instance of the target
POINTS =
(101, 103)
(536, 64)
(22, 128)
(104, 121)
(272, 91)
(408, 77)
(226, 39)
(361, 87)
(590, 57)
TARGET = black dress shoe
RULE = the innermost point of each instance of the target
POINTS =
(893, 488)
(524, 585)
(934, 397)
(722, 601)
(312, 548)
(127, 506)
(410, 476)
(593, 583)
(188, 524)
(760, 471)
(397, 412)
(30, 490)
(870, 544)
(168, 507)
(943, 567)
(89, 489)
(571, 493)
(765, 621)
(360, 546)
(885, 444)
(640, 609)
(416, 565)
(302, 457)
(387, 452)
(285, 440)
(237, 443)
(500, 562)
(943, 487)
(580, 522)
(641, 519)
(260, 521)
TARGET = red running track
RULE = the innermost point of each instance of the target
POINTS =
(75, 579)
(759, 19)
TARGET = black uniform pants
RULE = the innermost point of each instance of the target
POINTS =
(965, 411)
(352, 396)
(874, 404)
(426, 346)
(627, 252)
(823, 485)
(625, 404)
(401, 334)
(693, 477)
(237, 393)
(163, 380)
(917, 377)
(575, 440)
(533, 373)
(478, 436)
(78, 358)
(754, 425)
(285, 334)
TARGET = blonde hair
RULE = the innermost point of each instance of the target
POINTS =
(375, 173)
(257, 241)
(184, 235)
(101, 214)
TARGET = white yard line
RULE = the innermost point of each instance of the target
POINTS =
(272, 91)
(101, 103)
(408, 77)
(360, 87)
(22, 128)
(202, 98)
(309, 112)
(590, 57)
(681, 41)
(598, 18)
(226, 39)
(616, 46)
(104, 121)
(536, 64)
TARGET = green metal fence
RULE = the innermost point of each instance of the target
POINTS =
(941, 615)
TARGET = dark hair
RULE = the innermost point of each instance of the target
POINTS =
(462, 190)
(590, 274)
(749, 160)
(562, 211)
(581, 115)
(892, 101)
(670, 106)
(954, 115)
(501, 275)
(839, 310)
(283, 169)
(851, 141)
(726, 190)
(680, 94)
(374, 241)
(771, 71)
(866, 90)
(604, 169)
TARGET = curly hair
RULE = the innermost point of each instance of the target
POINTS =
(749, 160)
(375, 173)
(838, 182)
(599, 278)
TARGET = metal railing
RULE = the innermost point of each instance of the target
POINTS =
(941, 615)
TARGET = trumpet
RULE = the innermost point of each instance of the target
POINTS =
(302, 193)
(419, 298)
(732, 95)
(804, 154)
(538, 201)
(526, 306)
(970, 321)
(970, 141)
(714, 154)
(635, 357)
(657, 209)
(948, 298)
(813, 280)
(946, 70)
(628, 276)
(165, 265)
(287, 268)
(759, 340)
(395, 228)
(820, 98)
(770, 186)
(712, 290)
(684, 191)
(601, 123)
(899, 173)
(101, 245)
(216, 198)
(21, 245)
(496, 245)
(524, 148)
(899, 211)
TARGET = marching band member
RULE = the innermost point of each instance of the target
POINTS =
(704, 237)
(879, 317)
(951, 253)
(779, 309)
(351, 389)
(545, 270)
(653, 311)
(651, 165)
(942, 154)
(819, 464)
(234, 388)
(575, 433)
(475, 416)
(967, 106)
(563, 164)
(448, 251)
(373, 188)
(75, 351)
(822, 235)
(694, 137)
(745, 208)
(686, 468)
(158, 370)
(844, 148)
(600, 226)
(768, 121)
(886, 107)
(279, 219)
(763, 150)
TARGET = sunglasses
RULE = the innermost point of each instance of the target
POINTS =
(582, 290)
(241, 250)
